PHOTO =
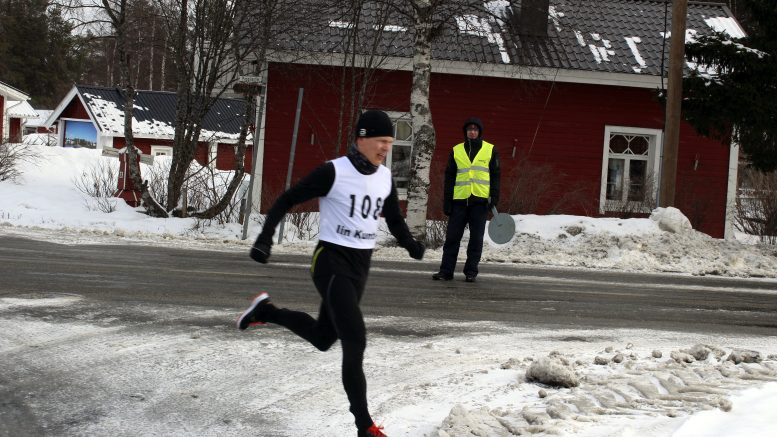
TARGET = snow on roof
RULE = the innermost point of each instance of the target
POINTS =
(41, 120)
(726, 25)
(612, 36)
(154, 114)
(479, 26)
(20, 110)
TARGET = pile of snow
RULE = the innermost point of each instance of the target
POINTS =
(46, 203)
(553, 370)
(671, 220)
(574, 395)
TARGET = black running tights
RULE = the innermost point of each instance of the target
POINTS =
(339, 317)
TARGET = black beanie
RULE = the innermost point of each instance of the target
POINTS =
(374, 123)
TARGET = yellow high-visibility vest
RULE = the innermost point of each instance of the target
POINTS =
(472, 177)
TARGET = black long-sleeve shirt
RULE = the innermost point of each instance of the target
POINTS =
(317, 184)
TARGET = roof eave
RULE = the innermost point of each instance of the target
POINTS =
(635, 80)
(171, 137)
(12, 93)
(61, 107)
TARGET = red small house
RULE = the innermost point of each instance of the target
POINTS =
(93, 117)
(567, 91)
(14, 109)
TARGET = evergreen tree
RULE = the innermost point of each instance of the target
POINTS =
(40, 54)
(733, 93)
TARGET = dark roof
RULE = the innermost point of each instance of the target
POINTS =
(154, 114)
(607, 36)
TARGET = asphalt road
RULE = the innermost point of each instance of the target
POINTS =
(525, 295)
(140, 335)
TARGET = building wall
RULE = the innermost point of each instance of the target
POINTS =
(224, 160)
(225, 157)
(320, 119)
(144, 144)
(554, 129)
(75, 110)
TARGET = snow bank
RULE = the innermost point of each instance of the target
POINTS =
(45, 204)
(636, 385)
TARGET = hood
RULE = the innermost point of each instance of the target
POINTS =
(472, 120)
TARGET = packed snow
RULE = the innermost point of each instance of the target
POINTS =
(563, 382)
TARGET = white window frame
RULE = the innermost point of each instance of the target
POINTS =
(164, 150)
(655, 150)
(395, 115)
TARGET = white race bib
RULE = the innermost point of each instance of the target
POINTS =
(352, 208)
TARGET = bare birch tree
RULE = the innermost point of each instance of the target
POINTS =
(429, 18)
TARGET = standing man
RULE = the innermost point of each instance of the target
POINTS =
(353, 191)
(471, 189)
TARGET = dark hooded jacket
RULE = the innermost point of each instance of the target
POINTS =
(472, 147)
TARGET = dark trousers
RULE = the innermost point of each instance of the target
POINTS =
(339, 316)
(475, 216)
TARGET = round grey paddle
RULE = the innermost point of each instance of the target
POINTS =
(502, 227)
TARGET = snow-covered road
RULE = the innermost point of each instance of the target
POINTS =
(84, 368)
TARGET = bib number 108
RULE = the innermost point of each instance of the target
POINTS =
(366, 207)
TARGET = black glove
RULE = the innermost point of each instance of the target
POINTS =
(260, 251)
(416, 249)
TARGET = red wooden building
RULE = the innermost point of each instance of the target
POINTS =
(571, 105)
(93, 117)
(14, 109)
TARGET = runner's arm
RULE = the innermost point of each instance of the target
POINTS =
(316, 184)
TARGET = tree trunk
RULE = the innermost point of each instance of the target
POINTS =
(423, 129)
(183, 154)
(151, 55)
(240, 150)
(119, 20)
(162, 66)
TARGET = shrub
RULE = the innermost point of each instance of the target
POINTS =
(537, 188)
(11, 155)
(98, 182)
(756, 205)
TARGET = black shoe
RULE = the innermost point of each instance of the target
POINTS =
(441, 276)
(250, 317)
(469, 278)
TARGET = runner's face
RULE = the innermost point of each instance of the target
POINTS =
(376, 149)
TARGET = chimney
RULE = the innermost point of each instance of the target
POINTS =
(530, 17)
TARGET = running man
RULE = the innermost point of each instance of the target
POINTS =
(353, 192)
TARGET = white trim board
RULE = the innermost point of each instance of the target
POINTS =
(506, 71)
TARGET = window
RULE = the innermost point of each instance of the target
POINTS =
(161, 151)
(79, 133)
(630, 169)
(399, 160)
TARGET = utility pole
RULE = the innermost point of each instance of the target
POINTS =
(291, 156)
(252, 88)
(673, 105)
